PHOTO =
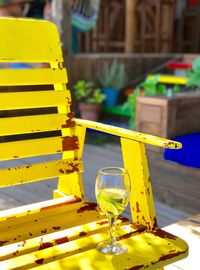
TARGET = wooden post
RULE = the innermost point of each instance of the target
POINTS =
(61, 17)
(130, 25)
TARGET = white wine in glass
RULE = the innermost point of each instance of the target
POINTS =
(112, 193)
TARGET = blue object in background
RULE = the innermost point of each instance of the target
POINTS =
(112, 95)
(189, 154)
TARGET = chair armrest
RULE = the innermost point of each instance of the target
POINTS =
(129, 134)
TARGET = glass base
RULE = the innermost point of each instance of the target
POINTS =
(111, 248)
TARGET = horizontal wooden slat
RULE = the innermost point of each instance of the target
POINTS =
(37, 147)
(35, 76)
(34, 99)
(41, 171)
(28, 40)
(34, 124)
(54, 239)
(30, 209)
(147, 247)
(48, 221)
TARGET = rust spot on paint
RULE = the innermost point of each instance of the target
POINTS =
(70, 143)
(3, 242)
(74, 168)
(127, 235)
(123, 219)
(102, 222)
(168, 256)
(62, 240)
(44, 231)
(15, 156)
(89, 206)
(56, 228)
(82, 233)
(148, 191)
(169, 144)
(39, 261)
(15, 253)
(155, 224)
(30, 234)
(45, 245)
(11, 217)
(164, 234)
(146, 222)
(70, 121)
(137, 207)
(61, 171)
(137, 267)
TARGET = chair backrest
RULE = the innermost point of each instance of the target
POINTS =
(35, 112)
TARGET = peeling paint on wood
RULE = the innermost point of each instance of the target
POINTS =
(138, 207)
(70, 143)
(137, 267)
(164, 234)
(82, 233)
(62, 240)
(127, 235)
(3, 243)
(39, 261)
(168, 256)
(89, 206)
(45, 245)
(70, 122)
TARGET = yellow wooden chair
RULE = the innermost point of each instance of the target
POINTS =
(62, 233)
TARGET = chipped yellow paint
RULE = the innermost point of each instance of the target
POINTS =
(50, 206)
(39, 39)
(129, 134)
(169, 249)
(75, 182)
(32, 124)
(141, 201)
(34, 99)
(41, 171)
(47, 221)
(58, 238)
(37, 147)
(46, 234)
(44, 76)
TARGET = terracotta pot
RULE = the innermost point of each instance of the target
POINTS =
(89, 111)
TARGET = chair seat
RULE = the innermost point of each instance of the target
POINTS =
(50, 244)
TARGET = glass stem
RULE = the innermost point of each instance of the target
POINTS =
(112, 220)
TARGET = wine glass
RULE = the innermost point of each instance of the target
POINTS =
(112, 192)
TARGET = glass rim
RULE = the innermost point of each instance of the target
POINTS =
(120, 169)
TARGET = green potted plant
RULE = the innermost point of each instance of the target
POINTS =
(112, 79)
(90, 99)
(194, 75)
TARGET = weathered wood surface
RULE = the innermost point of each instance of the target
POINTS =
(189, 230)
(174, 184)
(169, 117)
(94, 158)
(136, 64)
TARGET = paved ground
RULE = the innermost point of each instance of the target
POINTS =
(94, 158)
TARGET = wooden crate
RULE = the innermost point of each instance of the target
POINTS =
(169, 117)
